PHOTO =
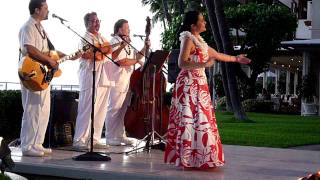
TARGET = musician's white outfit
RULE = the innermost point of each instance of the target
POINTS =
(36, 105)
(115, 131)
(102, 83)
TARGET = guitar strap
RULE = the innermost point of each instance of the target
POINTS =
(44, 35)
(50, 45)
(20, 54)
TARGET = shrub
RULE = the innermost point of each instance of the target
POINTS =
(254, 105)
(62, 108)
(222, 103)
(10, 114)
(308, 87)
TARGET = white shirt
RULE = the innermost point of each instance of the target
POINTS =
(121, 75)
(30, 35)
(86, 66)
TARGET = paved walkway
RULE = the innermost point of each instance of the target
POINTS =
(308, 147)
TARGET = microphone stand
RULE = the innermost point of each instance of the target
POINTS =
(95, 49)
(92, 156)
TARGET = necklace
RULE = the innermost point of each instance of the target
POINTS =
(127, 51)
(198, 41)
(42, 33)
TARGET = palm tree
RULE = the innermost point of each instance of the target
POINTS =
(216, 34)
(217, 18)
(156, 7)
(166, 11)
(181, 7)
(162, 8)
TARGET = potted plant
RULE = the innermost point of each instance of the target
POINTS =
(307, 91)
(308, 88)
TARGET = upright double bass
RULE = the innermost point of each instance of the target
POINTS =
(147, 111)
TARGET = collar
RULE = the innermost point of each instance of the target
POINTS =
(33, 21)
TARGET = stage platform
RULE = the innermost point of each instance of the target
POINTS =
(242, 162)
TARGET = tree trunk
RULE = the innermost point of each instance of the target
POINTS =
(181, 6)
(166, 11)
(216, 34)
(215, 10)
(164, 24)
(230, 67)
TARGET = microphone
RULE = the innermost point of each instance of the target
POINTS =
(138, 35)
(58, 17)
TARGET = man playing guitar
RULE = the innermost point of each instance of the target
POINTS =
(36, 104)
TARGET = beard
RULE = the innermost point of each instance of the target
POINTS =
(46, 17)
(97, 27)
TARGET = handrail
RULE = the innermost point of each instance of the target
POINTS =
(17, 86)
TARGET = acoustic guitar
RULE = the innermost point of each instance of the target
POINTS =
(36, 76)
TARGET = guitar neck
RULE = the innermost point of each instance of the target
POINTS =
(69, 56)
(66, 58)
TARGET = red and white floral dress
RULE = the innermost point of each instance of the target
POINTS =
(193, 139)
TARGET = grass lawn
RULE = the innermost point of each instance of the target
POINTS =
(269, 130)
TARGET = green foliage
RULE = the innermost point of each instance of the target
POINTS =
(254, 105)
(156, 7)
(10, 114)
(265, 27)
(308, 87)
(282, 83)
(169, 38)
(222, 103)
(11, 110)
(170, 34)
(263, 24)
(4, 177)
(218, 85)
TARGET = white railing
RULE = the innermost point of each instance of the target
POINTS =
(10, 86)
(17, 86)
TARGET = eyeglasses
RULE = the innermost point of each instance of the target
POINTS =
(95, 21)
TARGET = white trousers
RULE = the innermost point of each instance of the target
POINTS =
(83, 123)
(115, 115)
(35, 118)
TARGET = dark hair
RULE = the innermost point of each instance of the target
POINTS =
(190, 17)
(33, 4)
(87, 17)
(118, 25)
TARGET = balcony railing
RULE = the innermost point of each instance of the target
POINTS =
(17, 86)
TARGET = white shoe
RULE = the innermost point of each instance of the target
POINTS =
(39, 147)
(100, 145)
(78, 145)
(120, 141)
(33, 152)
(114, 142)
(127, 141)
